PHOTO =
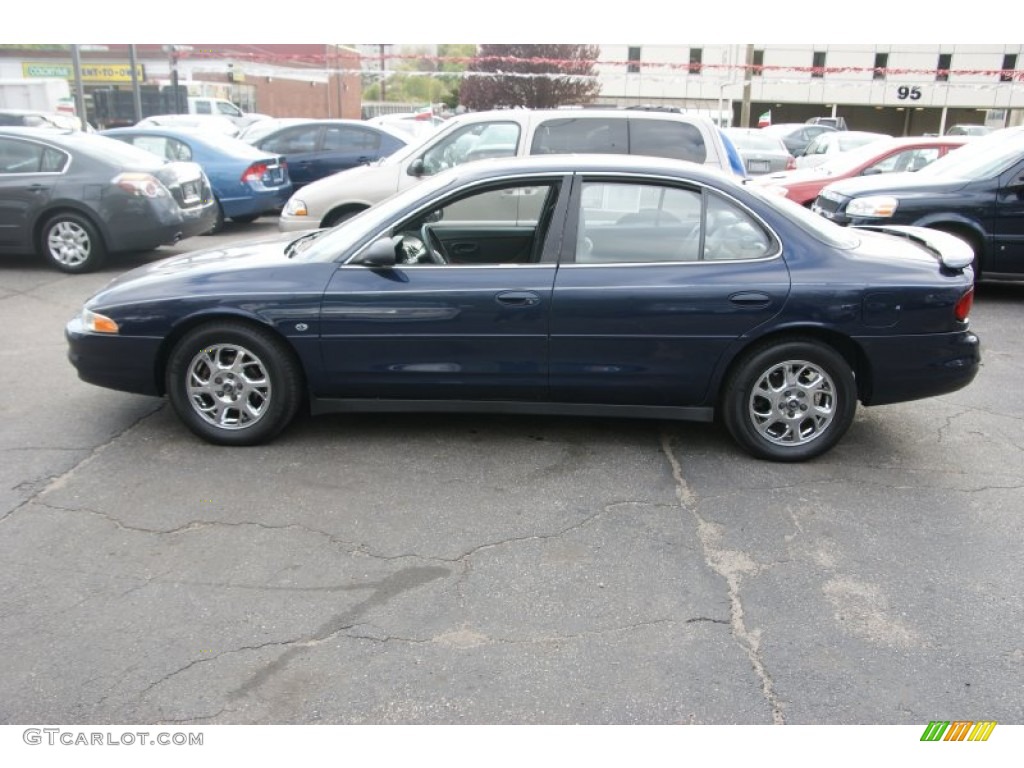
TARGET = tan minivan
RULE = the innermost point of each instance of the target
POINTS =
(506, 133)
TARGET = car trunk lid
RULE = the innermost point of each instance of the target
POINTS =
(186, 182)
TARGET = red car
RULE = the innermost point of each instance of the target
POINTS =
(909, 153)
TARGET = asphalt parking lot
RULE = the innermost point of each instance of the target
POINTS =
(485, 569)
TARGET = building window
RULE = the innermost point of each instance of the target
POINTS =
(633, 67)
(1009, 63)
(696, 55)
(881, 62)
(758, 62)
(942, 72)
(818, 64)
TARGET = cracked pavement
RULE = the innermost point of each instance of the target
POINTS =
(469, 569)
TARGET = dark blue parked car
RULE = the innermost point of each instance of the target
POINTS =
(247, 182)
(582, 285)
(317, 148)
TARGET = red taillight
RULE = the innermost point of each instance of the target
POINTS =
(254, 172)
(140, 184)
(963, 307)
(791, 163)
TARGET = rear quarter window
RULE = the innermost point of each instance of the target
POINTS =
(667, 138)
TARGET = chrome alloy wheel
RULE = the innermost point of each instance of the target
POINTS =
(228, 386)
(69, 243)
(792, 403)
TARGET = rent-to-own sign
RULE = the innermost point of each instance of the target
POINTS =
(91, 72)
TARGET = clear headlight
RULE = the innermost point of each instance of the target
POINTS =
(296, 207)
(880, 206)
(97, 323)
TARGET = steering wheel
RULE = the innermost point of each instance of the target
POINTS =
(434, 248)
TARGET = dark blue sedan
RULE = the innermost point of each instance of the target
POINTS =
(247, 182)
(615, 286)
(318, 148)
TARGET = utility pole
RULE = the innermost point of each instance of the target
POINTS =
(383, 76)
(748, 73)
(136, 93)
(76, 62)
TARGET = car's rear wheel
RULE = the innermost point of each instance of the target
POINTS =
(245, 219)
(790, 400)
(233, 383)
(71, 243)
(218, 225)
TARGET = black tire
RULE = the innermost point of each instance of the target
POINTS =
(72, 243)
(247, 383)
(245, 219)
(218, 225)
(790, 400)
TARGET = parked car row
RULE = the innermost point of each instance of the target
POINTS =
(975, 193)
(506, 133)
(884, 156)
(74, 197)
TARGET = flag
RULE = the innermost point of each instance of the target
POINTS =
(764, 119)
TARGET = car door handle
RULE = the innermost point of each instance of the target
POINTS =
(517, 298)
(751, 299)
(464, 249)
(37, 188)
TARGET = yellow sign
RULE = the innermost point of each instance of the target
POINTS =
(91, 72)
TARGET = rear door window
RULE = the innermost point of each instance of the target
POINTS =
(606, 136)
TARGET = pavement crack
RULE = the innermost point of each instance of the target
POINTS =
(731, 566)
(60, 480)
(381, 593)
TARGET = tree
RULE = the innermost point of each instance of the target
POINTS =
(537, 76)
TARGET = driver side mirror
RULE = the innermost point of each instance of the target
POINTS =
(380, 253)
(416, 167)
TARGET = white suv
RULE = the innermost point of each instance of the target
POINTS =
(506, 133)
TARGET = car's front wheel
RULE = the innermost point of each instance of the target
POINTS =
(233, 384)
(71, 243)
(790, 400)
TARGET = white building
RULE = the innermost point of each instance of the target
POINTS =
(892, 88)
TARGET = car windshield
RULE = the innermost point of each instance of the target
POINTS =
(982, 158)
(847, 162)
(817, 226)
(371, 220)
(849, 140)
(114, 151)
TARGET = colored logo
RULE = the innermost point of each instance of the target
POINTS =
(958, 730)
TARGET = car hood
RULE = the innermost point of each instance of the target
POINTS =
(895, 184)
(206, 271)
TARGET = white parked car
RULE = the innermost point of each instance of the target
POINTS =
(506, 133)
(214, 123)
(826, 146)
